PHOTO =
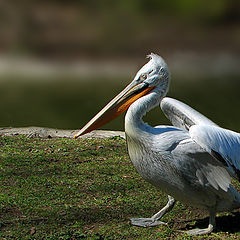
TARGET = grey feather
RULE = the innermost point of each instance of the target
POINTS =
(218, 140)
(181, 115)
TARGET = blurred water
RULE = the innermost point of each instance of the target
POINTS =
(69, 104)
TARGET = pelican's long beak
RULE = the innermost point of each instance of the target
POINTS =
(117, 106)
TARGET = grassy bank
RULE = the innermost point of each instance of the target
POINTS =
(86, 189)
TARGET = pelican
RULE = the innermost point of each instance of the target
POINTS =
(192, 161)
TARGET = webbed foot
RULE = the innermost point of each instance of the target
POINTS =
(198, 231)
(146, 222)
(154, 220)
(209, 229)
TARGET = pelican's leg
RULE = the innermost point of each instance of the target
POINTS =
(153, 221)
(209, 229)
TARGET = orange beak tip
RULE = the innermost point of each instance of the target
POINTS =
(77, 135)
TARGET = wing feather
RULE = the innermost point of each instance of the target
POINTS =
(181, 115)
(222, 144)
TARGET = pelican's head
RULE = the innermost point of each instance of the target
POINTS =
(153, 77)
(155, 74)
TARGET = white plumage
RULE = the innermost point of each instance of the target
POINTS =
(192, 161)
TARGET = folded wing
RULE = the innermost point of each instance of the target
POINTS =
(181, 115)
(222, 144)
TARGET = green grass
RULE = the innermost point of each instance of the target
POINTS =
(86, 189)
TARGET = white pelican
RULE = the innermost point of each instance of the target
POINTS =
(192, 161)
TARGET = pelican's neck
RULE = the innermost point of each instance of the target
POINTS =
(134, 124)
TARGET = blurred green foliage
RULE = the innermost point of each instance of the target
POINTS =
(93, 29)
(199, 9)
(97, 28)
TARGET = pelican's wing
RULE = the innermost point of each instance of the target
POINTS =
(222, 144)
(181, 115)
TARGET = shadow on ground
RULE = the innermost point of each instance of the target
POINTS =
(226, 223)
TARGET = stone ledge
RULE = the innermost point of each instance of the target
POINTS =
(57, 133)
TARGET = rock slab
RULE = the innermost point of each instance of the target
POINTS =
(57, 133)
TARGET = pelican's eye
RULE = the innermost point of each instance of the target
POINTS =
(143, 77)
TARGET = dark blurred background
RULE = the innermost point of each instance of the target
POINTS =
(62, 61)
